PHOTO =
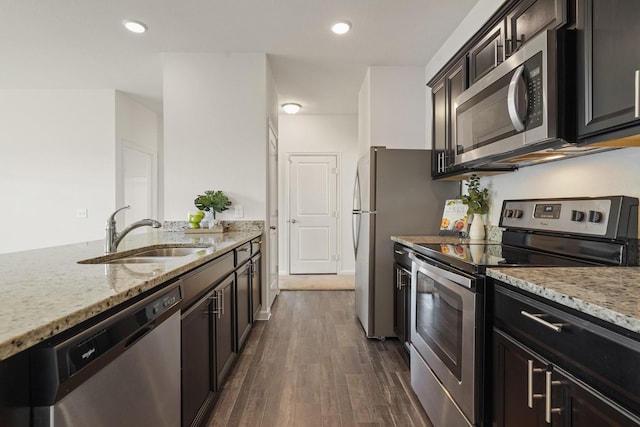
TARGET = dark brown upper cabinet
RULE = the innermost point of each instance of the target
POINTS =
(445, 91)
(487, 54)
(530, 17)
(608, 64)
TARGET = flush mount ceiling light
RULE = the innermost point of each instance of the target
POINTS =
(341, 27)
(291, 107)
(134, 26)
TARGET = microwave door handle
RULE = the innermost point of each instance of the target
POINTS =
(512, 101)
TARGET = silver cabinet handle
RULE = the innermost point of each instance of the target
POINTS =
(222, 303)
(242, 249)
(537, 318)
(637, 94)
(530, 394)
(548, 410)
(512, 102)
(399, 252)
(497, 47)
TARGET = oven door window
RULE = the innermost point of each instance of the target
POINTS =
(439, 321)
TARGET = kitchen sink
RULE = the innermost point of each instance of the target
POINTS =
(145, 256)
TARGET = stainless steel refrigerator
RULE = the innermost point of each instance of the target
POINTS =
(393, 195)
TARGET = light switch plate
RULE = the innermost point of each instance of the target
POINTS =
(82, 213)
(239, 209)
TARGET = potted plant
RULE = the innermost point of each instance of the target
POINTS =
(477, 201)
(213, 202)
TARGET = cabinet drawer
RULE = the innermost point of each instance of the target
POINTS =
(600, 357)
(243, 253)
(199, 281)
(255, 245)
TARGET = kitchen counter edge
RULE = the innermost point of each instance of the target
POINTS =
(46, 291)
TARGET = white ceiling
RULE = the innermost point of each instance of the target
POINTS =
(81, 44)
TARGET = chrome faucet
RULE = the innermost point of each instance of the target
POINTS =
(113, 238)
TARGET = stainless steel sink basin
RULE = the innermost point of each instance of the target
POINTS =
(168, 252)
(145, 256)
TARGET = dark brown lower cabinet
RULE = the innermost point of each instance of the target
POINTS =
(208, 350)
(256, 285)
(530, 391)
(198, 380)
(243, 286)
(225, 343)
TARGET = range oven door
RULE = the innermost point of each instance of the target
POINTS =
(445, 332)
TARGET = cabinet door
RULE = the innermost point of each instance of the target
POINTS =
(439, 148)
(609, 57)
(487, 54)
(225, 348)
(518, 375)
(197, 357)
(256, 286)
(531, 17)
(580, 406)
(400, 312)
(244, 302)
(456, 84)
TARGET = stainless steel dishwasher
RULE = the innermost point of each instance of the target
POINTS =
(122, 371)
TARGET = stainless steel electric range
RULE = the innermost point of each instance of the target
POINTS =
(449, 309)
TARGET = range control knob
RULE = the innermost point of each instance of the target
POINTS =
(517, 213)
(595, 216)
(508, 213)
(577, 216)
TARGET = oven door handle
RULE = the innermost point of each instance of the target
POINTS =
(458, 278)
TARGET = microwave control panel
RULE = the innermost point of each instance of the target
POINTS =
(533, 67)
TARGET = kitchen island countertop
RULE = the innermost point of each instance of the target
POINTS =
(606, 293)
(46, 291)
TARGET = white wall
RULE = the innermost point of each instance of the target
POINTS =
(391, 106)
(57, 154)
(215, 131)
(397, 103)
(321, 134)
(136, 127)
(604, 174)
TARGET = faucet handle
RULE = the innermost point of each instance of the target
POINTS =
(112, 219)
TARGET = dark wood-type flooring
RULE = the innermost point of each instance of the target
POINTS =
(310, 365)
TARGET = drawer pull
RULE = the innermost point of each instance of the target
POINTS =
(637, 95)
(537, 317)
(399, 252)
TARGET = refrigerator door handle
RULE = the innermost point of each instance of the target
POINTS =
(355, 231)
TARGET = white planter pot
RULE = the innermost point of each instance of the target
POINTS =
(476, 230)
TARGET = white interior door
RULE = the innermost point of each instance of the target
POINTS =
(138, 168)
(313, 215)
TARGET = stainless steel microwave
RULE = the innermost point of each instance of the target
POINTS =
(520, 106)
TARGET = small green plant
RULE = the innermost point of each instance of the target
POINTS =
(215, 201)
(477, 199)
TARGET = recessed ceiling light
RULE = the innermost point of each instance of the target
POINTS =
(291, 107)
(134, 26)
(341, 27)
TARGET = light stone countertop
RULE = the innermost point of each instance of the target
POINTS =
(46, 291)
(607, 293)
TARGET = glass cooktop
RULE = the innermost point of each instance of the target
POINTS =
(495, 255)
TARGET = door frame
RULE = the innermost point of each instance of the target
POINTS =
(285, 226)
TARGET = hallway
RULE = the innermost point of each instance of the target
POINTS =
(310, 365)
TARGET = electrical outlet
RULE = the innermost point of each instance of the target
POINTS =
(82, 213)
(239, 211)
